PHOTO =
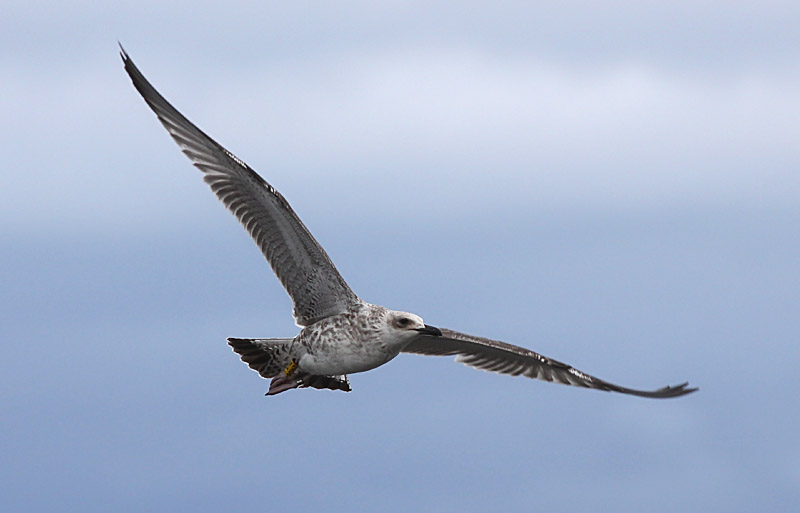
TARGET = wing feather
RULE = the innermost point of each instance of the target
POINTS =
(302, 266)
(501, 357)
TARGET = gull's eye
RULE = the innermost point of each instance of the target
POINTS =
(402, 322)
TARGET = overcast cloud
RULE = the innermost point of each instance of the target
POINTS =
(614, 185)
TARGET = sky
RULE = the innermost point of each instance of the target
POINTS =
(615, 186)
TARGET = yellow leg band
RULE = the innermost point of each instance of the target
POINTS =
(290, 368)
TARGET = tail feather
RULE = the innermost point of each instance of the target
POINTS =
(270, 357)
(267, 356)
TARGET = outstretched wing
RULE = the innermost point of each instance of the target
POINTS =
(496, 356)
(302, 266)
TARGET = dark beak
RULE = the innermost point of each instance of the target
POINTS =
(430, 330)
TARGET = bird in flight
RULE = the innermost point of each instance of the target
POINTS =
(340, 333)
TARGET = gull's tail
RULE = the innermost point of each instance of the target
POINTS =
(267, 356)
(271, 358)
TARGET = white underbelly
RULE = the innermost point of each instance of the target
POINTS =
(337, 360)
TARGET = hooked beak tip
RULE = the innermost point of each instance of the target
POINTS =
(430, 330)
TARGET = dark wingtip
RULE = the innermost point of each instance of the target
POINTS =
(123, 53)
(674, 391)
(666, 392)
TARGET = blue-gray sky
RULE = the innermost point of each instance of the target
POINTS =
(614, 186)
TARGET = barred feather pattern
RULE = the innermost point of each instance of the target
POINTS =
(300, 263)
(267, 356)
(501, 357)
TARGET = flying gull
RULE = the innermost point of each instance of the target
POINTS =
(341, 334)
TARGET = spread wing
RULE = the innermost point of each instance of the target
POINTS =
(495, 356)
(302, 266)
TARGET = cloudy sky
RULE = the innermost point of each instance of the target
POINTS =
(615, 186)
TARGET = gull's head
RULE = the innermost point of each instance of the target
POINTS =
(405, 326)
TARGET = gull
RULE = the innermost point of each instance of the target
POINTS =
(340, 333)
